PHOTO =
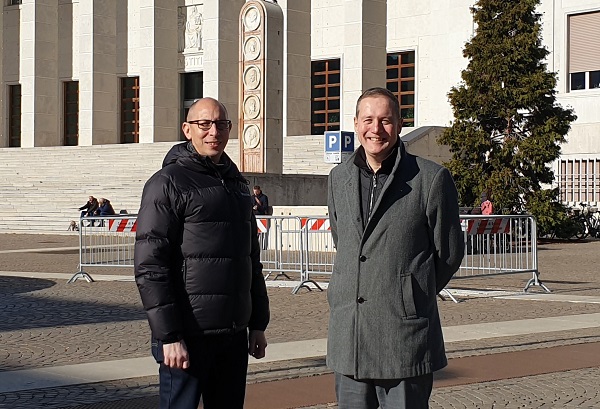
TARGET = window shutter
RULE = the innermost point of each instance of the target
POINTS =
(584, 42)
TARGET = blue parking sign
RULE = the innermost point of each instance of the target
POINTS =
(338, 145)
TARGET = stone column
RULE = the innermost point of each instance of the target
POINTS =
(261, 87)
(4, 92)
(98, 83)
(365, 53)
(296, 66)
(39, 73)
(159, 79)
(10, 63)
(221, 54)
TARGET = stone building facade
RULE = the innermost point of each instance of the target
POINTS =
(95, 72)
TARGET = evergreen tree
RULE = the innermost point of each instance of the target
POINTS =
(508, 127)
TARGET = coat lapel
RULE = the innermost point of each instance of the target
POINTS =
(352, 190)
(388, 183)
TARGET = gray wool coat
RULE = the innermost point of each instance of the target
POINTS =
(384, 321)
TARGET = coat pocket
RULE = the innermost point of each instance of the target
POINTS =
(408, 297)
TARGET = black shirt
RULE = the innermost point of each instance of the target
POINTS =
(371, 183)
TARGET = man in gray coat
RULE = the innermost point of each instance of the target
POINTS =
(395, 223)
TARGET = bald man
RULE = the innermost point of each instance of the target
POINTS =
(198, 270)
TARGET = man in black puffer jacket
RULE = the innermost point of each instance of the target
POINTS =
(197, 268)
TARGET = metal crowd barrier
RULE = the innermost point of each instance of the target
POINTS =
(296, 245)
(303, 247)
(105, 241)
(494, 245)
(499, 244)
(320, 252)
(282, 252)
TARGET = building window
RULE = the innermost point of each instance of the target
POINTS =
(325, 96)
(71, 113)
(14, 2)
(192, 88)
(594, 79)
(400, 79)
(14, 116)
(584, 58)
(579, 180)
(130, 109)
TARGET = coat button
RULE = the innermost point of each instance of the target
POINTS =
(360, 300)
(363, 258)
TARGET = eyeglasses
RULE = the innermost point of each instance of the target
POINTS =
(206, 124)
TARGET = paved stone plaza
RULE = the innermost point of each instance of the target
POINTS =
(507, 349)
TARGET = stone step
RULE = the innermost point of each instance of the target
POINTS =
(42, 187)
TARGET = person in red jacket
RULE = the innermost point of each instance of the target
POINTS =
(486, 205)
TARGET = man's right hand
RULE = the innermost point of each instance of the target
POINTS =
(176, 355)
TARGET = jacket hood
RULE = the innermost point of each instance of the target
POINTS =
(184, 154)
(175, 152)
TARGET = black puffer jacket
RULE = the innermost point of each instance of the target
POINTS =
(197, 255)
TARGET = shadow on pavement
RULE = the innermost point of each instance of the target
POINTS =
(16, 285)
(27, 303)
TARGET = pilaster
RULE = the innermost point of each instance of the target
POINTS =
(3, 90)
(364, 62)
(221, 54)
(159, 78)
(296, 66)
(39, 73)
(98, 83)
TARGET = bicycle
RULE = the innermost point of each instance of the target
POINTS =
(590, 220)
(572, 228)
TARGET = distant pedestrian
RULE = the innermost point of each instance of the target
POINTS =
(486, 205)
(90, 207)
(105, 208)
(260, 201)
(261, 208)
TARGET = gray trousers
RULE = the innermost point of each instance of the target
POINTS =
(408, 393)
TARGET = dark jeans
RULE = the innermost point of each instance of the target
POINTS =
(217, 373)
(408, 393)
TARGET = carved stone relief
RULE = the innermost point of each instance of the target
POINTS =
(252, 48)
(252, 107)
(189, 25)
(252, 87)
(252, 77)
(251, 19)
(181, 20)
(251, 136)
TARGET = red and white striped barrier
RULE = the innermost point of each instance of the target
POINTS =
(263, 225)
(316, 224)
(489, 226)
(122, 225)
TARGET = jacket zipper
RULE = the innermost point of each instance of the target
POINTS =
(373, 188)
(224, 184)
